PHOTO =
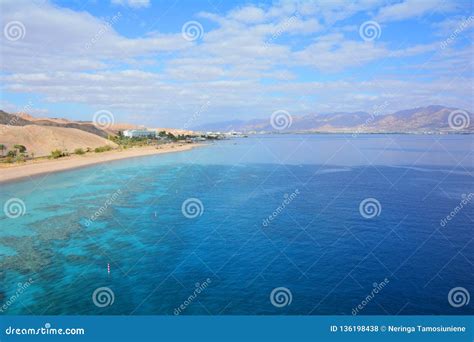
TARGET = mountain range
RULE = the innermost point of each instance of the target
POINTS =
(430, 119)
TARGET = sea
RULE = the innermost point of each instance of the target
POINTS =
(281, 224)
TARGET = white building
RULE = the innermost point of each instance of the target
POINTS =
(139, 133)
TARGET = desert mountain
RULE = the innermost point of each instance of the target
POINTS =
(22, 119)
(41, 140)
(428, 119)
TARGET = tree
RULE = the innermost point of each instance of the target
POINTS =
(20, 148)
(2, 148)
(171, 136)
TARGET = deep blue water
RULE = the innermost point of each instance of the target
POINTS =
(318, 245)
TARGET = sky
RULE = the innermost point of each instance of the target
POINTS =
(186, 63)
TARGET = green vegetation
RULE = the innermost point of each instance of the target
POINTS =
(79, 151)
(20, 148)
(163, 137)
(20, 158)
(171, 137)
(102, 149)
(58, 154)
(17, 154)
(125, 142)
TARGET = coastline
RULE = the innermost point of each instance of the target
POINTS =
(15, 172)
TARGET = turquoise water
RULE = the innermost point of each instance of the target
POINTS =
(277, 212)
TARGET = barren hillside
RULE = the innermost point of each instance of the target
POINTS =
(41, 140)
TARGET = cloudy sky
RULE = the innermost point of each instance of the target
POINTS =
(185, 63)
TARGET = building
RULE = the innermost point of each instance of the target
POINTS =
(139, 133)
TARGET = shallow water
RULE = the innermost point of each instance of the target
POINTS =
(317, 245)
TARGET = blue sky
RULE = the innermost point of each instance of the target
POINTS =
(186, 63)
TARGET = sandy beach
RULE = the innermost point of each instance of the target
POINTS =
(12, 172)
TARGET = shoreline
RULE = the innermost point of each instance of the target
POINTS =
(10, 173)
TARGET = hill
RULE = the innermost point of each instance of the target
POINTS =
(23, 119)
(41, 140)
(430, 119)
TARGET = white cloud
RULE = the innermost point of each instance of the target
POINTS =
(252, 61)
(132, 3)
(334, 53)
(413, 8)
(248, 14)
(62, 39)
